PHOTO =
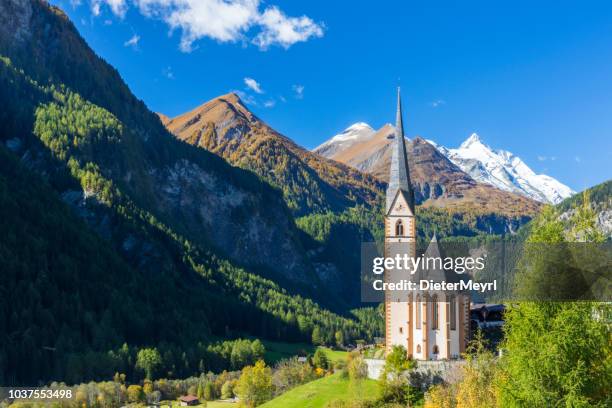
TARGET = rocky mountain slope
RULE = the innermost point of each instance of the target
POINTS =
(309, 182)
(600, 200)
(505, 171)
(438, 182)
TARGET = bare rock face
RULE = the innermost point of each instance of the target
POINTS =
(15, 18)
(604, 222)
(231, 218)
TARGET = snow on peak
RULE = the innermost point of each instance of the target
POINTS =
(472, 140)
(358, 126)
(505, 171)
(355, 133)
(499, 168)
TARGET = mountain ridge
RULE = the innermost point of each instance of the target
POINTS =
(437, 181)
(310, 183)
(504, 170)
(517, 176)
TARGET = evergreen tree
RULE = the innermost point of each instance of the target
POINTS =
(209, 391)
(320, 359)
(317, 337)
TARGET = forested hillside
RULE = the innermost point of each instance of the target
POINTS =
(195, 192)
(172, 247)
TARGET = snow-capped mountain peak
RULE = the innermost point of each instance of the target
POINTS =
(474, 139)
(505, 171)
(357, 132)
(499, 168)
(358, 126)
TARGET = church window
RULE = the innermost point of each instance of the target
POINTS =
(453, 313)
(419, 348)
(435, 349)
(418, 312)
(434, 323)
(399, 228)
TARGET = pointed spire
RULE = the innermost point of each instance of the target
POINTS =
(399, 175)
(399, 122)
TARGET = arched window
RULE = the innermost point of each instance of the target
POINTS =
(401, 330)
(418, 311)
(399, 228)
(434, 321)
(453, 312)
(435, 349)
(418, 348)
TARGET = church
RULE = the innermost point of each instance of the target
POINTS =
(430, 325)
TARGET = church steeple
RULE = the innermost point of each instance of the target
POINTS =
(399, 175)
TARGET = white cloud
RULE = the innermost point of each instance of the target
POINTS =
(277, 28)
(542, 158)
(245, 97)
(438, 103)
(132, 42)
(253, 84)
(223, 21)
(95, 8)
(299, 91)
(270, 103)
(118, 7)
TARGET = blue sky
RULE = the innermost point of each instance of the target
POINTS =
(534, 79)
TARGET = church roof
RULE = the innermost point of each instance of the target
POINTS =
(399, 174)
(436, 273)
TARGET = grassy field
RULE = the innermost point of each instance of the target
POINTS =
(335, 355)
(318, 393)
(277, 351)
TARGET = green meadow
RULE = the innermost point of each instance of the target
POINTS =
(316, 394)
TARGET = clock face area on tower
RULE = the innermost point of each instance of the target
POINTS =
(400, 206)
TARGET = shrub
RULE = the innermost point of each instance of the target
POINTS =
(356, 366)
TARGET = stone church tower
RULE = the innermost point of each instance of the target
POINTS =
(430, 325)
